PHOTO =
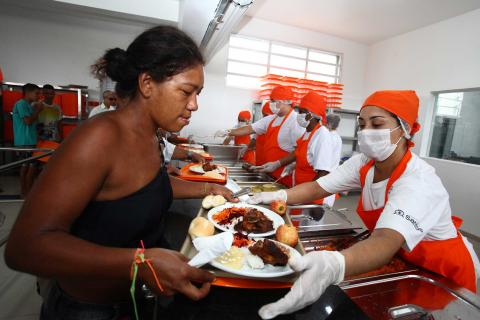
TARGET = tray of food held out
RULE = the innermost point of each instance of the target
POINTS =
(207, 172)
(197, 148)
(263, 242)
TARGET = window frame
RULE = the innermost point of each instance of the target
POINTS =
(431, 128)
(338, 66)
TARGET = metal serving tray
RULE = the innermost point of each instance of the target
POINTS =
(333, 221)
(223, 152)
(189, 251)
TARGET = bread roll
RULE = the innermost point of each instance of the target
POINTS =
(200, 227)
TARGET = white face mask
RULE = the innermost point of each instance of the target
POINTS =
(302, 121)
(242, 123)
(376, 144)
(274, 107)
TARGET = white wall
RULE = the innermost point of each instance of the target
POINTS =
(442, 56)
(43, 47)
(219, 104)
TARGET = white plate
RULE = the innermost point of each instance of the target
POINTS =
(197, 169)
(268, 271)
(277, 220)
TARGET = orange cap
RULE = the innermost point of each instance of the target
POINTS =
(244, 115)
(402, 103)
(266, 109)
(281, 93)
(316, 104)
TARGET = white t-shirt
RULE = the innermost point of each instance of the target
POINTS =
(322, 154)
(417, 207)
(288, 134)
(322, 151)
(99, 109)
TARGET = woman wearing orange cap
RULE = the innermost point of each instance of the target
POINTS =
(316, 153)
(403, 203)
(244, 118)
(281, 132)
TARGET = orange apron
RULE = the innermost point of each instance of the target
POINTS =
(249, 155)
(272, 150)
(259, 149)
(304, 172)
(449, 258)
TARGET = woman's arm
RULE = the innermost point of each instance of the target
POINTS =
(372, 253)
(243, 131)
(192, 190)
(306, 193)
(40, 242)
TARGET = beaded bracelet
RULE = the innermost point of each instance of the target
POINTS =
(139, 258)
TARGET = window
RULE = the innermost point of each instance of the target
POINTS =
(456, 126)
(249, 59)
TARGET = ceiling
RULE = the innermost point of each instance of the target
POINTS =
(364, 21)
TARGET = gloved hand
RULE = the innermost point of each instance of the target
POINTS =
(242, 151)
(270, 166)
(267, 197)
(319, 270)
(221, 133)
(288, 170)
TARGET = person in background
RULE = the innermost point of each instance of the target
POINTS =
(333, 120)
(281, 130)
(247, 154)
(25, 115)
(260, 138)
(50, 119)
(315, 154)
(108, 104)
(110, 213)
(403, 203)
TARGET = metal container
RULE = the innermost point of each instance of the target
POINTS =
(413, 296)
(223, 152)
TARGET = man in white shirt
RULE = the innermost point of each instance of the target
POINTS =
(108, 104)
(281, 130)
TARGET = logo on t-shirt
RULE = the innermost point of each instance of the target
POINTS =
(412, 220)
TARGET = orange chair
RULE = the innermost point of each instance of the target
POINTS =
(9, 99)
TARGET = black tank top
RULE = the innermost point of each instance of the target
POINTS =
(124, 222)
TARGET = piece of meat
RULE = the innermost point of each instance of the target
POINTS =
(254, 221)
(209, 167)
(270, 252)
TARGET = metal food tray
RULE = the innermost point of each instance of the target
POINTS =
(189, 251)
(333, 222)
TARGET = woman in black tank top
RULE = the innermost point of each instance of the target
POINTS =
(106, 188)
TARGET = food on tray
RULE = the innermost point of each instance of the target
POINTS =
(249, 220)
(270, 252)
(254, 221)
(209, 167)
(212, 201)
(200, 227)
(279, 206)
(214, 175)
(267, 187)
(233, 258)
(255, 262)
(287, 234)
(240, 240)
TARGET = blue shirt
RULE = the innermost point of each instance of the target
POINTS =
(23, 134)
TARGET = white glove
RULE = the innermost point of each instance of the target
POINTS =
(221, 133)
(270, 166)
(319, 270)
(288, 170)
(242, 151)
(267, 197)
